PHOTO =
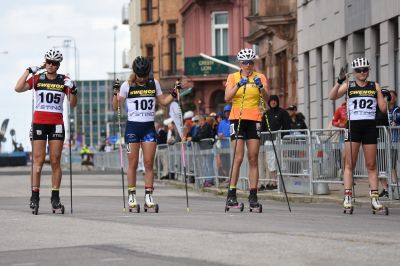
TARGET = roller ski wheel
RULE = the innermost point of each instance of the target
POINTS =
(34, 205)
(256, 209)
(135, 209)
(239, 206)
(35, 209)
(384, 210)
(348, 210)
(154, 207)
(57, 207)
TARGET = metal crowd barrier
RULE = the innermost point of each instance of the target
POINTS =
(309, 160)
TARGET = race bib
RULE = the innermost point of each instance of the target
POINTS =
(49, 101)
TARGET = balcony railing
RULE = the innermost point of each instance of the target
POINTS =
(199, 66)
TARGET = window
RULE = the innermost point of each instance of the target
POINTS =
(149, 10)
(220, 33)
(254, 7)
(172, 48)
(149, 53)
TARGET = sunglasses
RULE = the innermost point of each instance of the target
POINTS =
(248, 62)
(361, 69)
(54, 63)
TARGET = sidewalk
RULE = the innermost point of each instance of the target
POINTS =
(335, 194)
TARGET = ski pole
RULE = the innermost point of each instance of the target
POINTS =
(276, 155)
(120, 150)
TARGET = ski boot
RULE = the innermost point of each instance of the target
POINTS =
(377, 207)
(34, 204)
(253, 202)
(56, 204)
(149, 203)
(348, 202)
(231, 201)
(132, 204)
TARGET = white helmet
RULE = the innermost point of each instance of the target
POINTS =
(53, 55)
(188, 114)
(168, 121)
(359, 62)
(246, 54)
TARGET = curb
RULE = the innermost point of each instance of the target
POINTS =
(294, 198)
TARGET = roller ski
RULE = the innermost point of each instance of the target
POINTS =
(348, 202)
(377, 207)
(56, 205)
(132, 203)
(232, 203)
(149, 203)
(34, 204)
(254, 205)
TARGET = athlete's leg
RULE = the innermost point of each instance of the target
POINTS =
(133, 158)
(39, 154)
(55, 149)
(348, 164)
(238, 159)
(253, 147)
(149, 151)
(370, 163)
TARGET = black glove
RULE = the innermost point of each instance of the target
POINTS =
(174, 91)
(116, 87)
(342, 76)
(386, 94)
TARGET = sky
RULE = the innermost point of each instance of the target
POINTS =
(24, 27)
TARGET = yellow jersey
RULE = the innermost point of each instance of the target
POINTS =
(251, 102)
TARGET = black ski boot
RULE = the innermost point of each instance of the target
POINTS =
(231, 201)
(56, 204)
(34, 204)
(253, 201)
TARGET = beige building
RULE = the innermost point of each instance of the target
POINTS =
(273, 33)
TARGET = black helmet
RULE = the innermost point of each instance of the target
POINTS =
(141, 66)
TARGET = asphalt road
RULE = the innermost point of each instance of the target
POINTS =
(100, 233)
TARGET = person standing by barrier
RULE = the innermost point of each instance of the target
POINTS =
(339, 120)
(394, 120)
(223, 135)
(48, 125)
(162, 150)
(243, 89)
(363, 97)
(278, 119)
(296, 119)
(141, 93)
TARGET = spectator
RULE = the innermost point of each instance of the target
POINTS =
(204, 133)
(278, 119)
(340, 116)
(194, 129)
(187, 123)
(162, 151)
(394, 118)
(296, 119)
(223, 143)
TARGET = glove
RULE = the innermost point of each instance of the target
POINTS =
(258, 83)
(69, 83)
(33, 69)
(174, 91)
(242, 82)
(116, 87)
(178, 85)
(342, 76)
(386, 94)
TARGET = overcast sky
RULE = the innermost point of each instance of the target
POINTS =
(24, 26)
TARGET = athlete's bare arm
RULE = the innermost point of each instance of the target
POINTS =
(164, 99)
(22, 85)
(338, 91)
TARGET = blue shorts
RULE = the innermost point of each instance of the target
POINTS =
(137, 132)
